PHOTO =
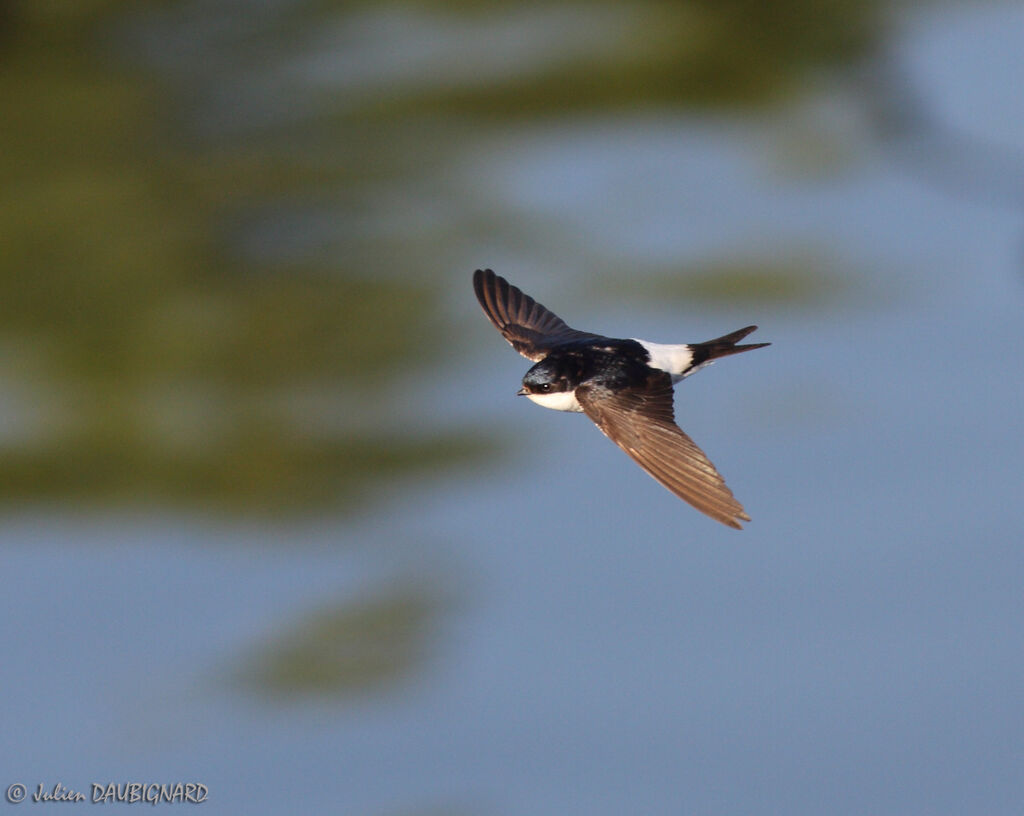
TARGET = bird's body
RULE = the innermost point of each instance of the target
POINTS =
(619, 362)
(624, 386)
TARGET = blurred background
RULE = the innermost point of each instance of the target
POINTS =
(272, 519)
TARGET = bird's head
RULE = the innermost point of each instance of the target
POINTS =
(551, 387)
(544, 378)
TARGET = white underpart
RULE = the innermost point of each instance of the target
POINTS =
(672, 359)
(561, 401)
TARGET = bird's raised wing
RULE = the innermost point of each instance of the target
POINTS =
(532, 330)
(640, 421)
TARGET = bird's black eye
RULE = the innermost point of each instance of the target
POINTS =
(545, 387)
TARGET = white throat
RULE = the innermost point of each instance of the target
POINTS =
(560, 401)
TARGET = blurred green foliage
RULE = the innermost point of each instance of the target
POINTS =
(140, 358)
(709, 53)
(793, 279)
(345, 649)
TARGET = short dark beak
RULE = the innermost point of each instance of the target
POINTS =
(521, 392)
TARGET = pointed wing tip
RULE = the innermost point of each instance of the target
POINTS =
(493, 291)
(732, 521)
(480, 279)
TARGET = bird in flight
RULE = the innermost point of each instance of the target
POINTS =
(624, 386)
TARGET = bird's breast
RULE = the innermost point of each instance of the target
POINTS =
(560, 401)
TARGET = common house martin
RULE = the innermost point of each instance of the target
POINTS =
(624, 386)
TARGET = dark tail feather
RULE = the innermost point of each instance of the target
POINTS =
(724, 346)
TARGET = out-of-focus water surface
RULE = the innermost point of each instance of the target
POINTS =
(274, 522)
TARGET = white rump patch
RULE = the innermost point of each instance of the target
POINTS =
(672, 359)
(560, 401)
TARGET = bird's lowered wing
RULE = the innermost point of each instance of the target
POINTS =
(640, 420)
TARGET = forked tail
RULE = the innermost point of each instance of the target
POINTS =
(724, 346)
